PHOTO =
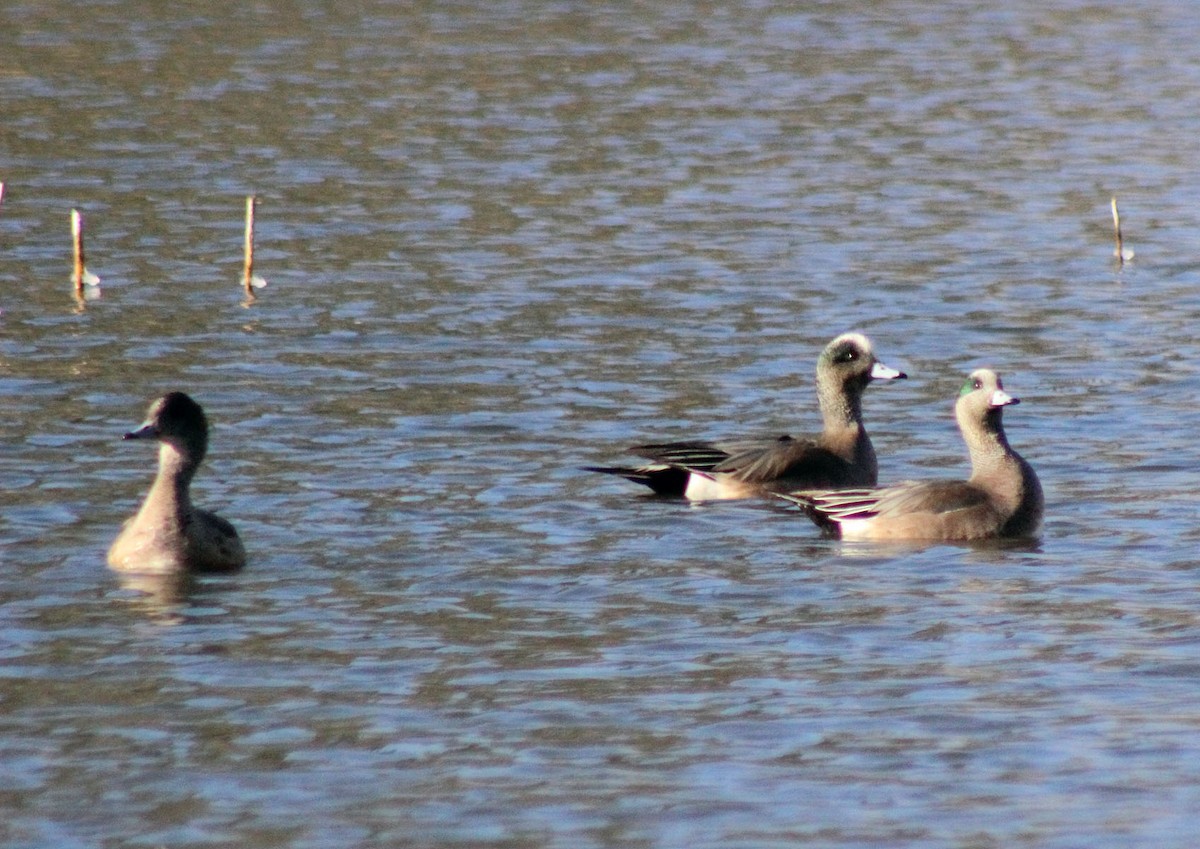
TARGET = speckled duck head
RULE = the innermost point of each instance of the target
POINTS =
(844, 369)
(980, 406)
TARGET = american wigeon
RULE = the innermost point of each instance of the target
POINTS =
(841, 456)
(168, 534)
(1002, 499)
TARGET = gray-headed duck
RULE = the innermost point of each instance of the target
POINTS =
(842, 455)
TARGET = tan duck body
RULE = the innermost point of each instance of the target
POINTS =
(1002, 498)
(169, 534)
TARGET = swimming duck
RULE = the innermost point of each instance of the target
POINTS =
(842, 455)
(168, 533)
(1002, 499)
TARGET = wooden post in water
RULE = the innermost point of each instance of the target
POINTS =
(248, 266)
(80, 276)
(77, 244)
(1119, 251)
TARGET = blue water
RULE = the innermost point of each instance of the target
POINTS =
(504, 241)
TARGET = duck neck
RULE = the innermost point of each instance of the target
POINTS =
(990, 452)
(841, 413)
(1006, 476)
(169, 493)
(841, 407)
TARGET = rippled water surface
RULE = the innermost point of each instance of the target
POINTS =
(504, 240)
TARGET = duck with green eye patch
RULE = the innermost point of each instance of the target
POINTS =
(1002, 498)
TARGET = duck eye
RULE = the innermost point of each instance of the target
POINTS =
(848, 355)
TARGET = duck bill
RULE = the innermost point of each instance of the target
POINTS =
(146, 431)
(1000, 398)
(881, 372)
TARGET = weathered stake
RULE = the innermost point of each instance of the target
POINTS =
(77, 243)
(80, 276)
(1119, 251)
(248, 267)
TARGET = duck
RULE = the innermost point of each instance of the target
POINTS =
(1001, 500)
(841, 456)
(168, 534)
